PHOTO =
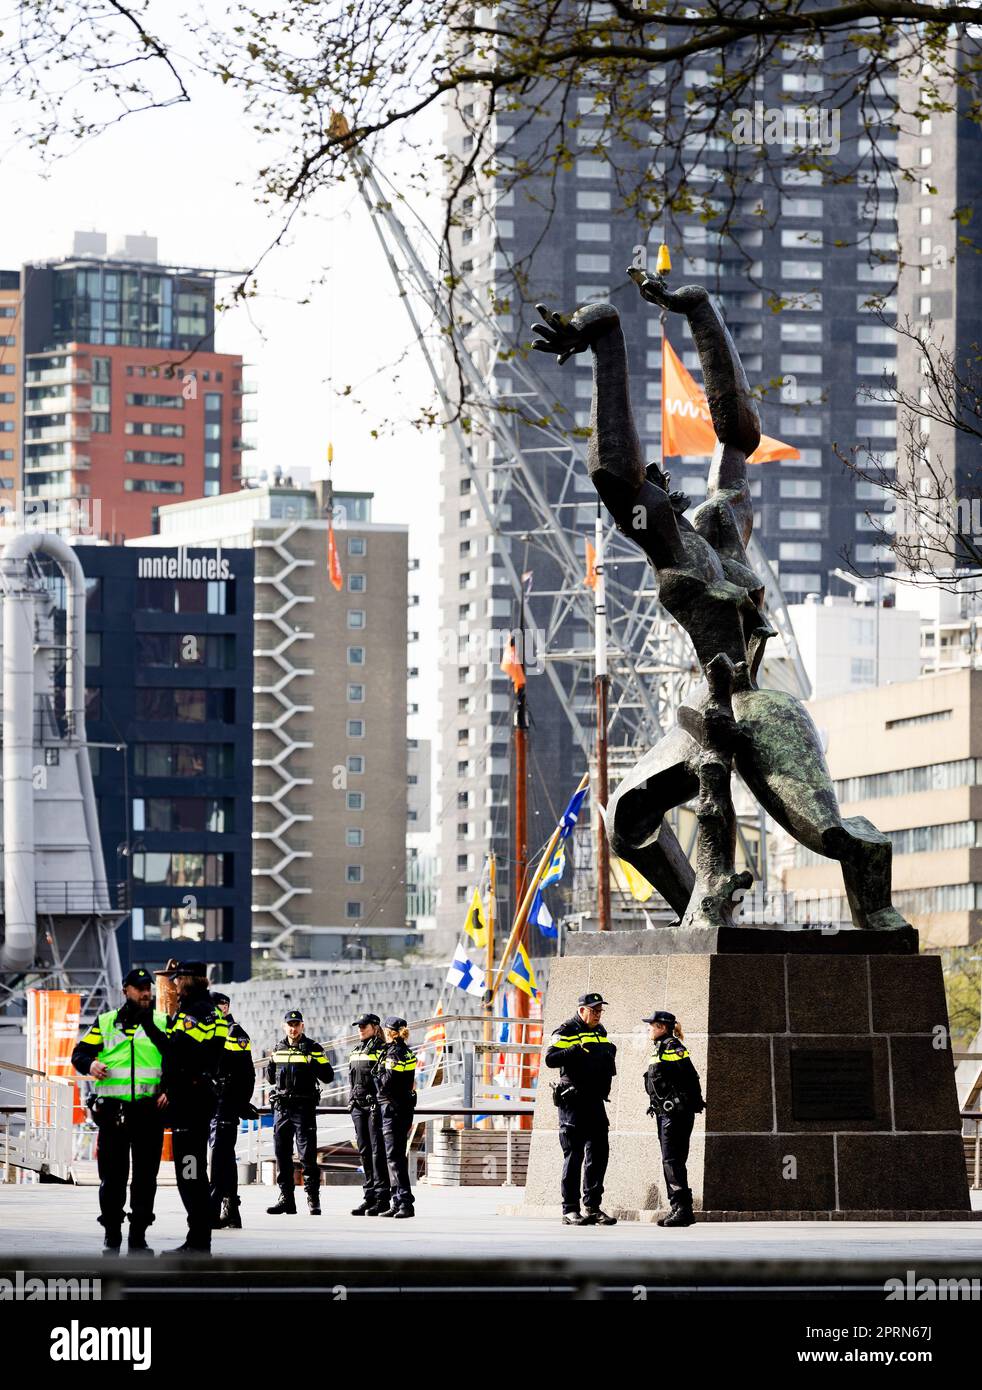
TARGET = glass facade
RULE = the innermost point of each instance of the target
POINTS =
(134, 306)
(172, 708)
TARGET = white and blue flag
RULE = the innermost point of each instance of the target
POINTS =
(465, 973)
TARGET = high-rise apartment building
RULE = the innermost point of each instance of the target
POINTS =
(940, 289)
(10, 386)
(126, 403)
(815, 243)
(328, 739)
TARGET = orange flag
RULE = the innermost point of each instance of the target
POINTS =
(686, 424)
(591, 566)
(333, 562)
(512, 667)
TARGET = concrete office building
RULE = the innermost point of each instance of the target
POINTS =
(940, 286)
(10, 384)
(125, 402)
(909, 757)
(329, 751)
(826, 346)
(169, 711)
(847, 646)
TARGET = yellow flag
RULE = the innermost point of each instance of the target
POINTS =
(639, 886)
(476, 925)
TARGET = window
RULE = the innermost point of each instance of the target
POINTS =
(793, 583)
(801, 424)
(356, 693)
(800, 521)
(356, 617)
(592, 231)
(357, 583)
(806, 488)
(151, 485)
(592, 200)
(184, 759)
(356, 545)
(183, 869)
(801, 332)
(800, 207)
(800, 550)
(153, 457)
(801, 362)
(356, 728)
(353, 873)
(356, 656)
(185, 596)
(352, 909)
(185, 706)
(355, 801)
(801, 270)
(155, 402)
(593, 264)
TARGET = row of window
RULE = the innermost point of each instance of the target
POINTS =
(173, 814)
(183, 869)
(185, 706)
(181, 924)
(962, 772)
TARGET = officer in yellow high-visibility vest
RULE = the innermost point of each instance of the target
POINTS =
(121, 1054)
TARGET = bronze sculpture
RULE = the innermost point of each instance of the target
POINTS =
(707, 585)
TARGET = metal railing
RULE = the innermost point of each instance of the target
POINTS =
(36, 1133)
(77, 897)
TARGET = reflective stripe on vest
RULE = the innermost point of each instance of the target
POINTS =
(133, 1060)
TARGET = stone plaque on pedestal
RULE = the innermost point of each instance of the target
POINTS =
(827, 1071)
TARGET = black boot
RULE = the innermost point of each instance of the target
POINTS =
(314, 1202)
(287, 1205)
(231, 1218)
(193, 1247)
(600, 1218)
(367, 1208)
(573, 1218)
(681, 1213)
(381, 1208)
(387, 1211)
(404, 1213)
(112, 1241)
(217, 1216)
(137, 1241)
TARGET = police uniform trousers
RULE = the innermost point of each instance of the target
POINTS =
(367, 1120)
(131, 1136)
(584, 1139)
(190, 1124)
(397, 1121)
(673, 1134)
(296, 1123)
(224, 1170)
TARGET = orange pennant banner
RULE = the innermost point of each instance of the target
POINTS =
(686, 424)
(333, 562)
(512, 667)
(591, 566)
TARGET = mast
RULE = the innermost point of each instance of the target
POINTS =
(520, 735)
(602, 686)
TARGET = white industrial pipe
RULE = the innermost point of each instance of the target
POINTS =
(19, 875)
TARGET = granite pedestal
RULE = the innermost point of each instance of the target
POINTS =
(825, 1062)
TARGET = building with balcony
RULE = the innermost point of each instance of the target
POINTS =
(329, 748)
(126, 404)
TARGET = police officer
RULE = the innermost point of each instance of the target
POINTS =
(675, 1096)
(122, 1054)
(366, 1115)
(236, 1084)
(193, 1065)
(295, 1066)
(584, 1057)
(396, 1079)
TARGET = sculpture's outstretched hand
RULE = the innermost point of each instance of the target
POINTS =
(558, 335)
(655, 291)
(564, 335)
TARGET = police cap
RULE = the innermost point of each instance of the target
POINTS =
(394, 1022)
(138, 977)
(366, 1019)
(196, 968)
(590, 1001)
(662, 1016)
(220, 998)
(293, 1016)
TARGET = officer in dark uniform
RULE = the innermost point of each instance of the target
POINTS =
(584, 1056)
(193, 1065)
(396, 1078)
(294, 1068)
(122, 1055)
(675, 1096)
(366, 1115)
(236, 1084)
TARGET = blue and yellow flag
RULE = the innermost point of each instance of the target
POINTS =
(521, 974)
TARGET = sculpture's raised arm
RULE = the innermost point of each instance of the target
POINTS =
(731, 406)
(640, 508)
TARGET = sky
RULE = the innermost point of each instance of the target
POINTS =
(186, 175)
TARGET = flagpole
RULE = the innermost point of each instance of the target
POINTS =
(519, 997)
(521, 917)
(488, 1006)
(602, 684)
